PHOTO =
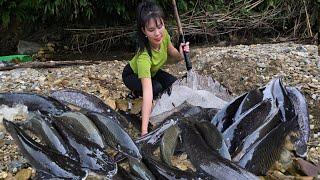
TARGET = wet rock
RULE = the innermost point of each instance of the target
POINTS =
(122, 104)
(2, 135)
(136, 106)
(3, 175)
(16, 165)
(301, 49)
(23, 174)
(111, 103)
(307, 168)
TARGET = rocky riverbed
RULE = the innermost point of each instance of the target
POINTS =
(239, 68)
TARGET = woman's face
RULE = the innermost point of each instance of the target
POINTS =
(154, 32)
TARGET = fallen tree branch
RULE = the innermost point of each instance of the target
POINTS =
(48, 64)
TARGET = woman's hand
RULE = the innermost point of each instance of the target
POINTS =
(184, 47)
(144, 132)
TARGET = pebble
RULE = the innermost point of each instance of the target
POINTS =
(311, 126)
(23, 174)
(2, 135)
(3, 175)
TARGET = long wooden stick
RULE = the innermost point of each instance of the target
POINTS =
(185, 54)
(50, 64)
(307, 19)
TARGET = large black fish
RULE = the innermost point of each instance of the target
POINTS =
(301, 109)
(81, 125)
(81, 99)
(43, 158)
(40, 125)
(34, 102)
(153, 137)
(275, 91)
(263, 154)
(92, 156)
(252, 98)
(168, 143)
(213, 138)
(224, 118)
(273, 121)
(164, 172)
(114, 135)
(186, 110)
(88, 102)
(247, 123)
(122, 174)
(208, 161)
(139, 169)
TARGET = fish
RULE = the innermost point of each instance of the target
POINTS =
(264, 153)
(139, 169)
(186, 110)
(224, 117)
(44, 159)
(92, 156)
(115, 136)
(275, 91)
(87, 102)
(122, 174)
(81, 125)
(213, 138)
(149, 142)
(163, 172)
(81, 99)
(168, 143)
(252, 98)
(40, 125)
(206, 160)
(34, 102)
(247, 123)
(153, 137)
(273, 121)
(301, 109)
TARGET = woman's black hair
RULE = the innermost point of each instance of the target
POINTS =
(146, 10)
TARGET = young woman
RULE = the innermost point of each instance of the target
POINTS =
(143, 75)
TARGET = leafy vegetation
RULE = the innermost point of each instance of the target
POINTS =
(200, 18)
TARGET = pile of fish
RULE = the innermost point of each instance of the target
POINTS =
(61, 143)
(243, 139)
(240, 139)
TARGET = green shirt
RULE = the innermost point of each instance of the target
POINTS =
(146, 67)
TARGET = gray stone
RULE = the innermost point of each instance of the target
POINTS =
(301, 49)
(287, 50)
(16, 165)
(2, 134)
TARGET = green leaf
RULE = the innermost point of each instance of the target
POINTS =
(5, 19)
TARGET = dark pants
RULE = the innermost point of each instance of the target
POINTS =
(160, 82)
